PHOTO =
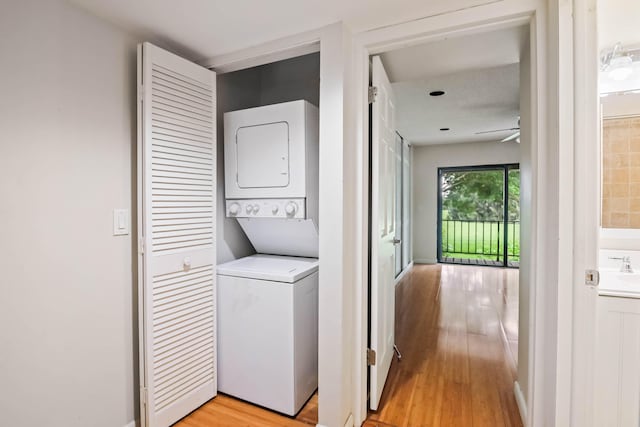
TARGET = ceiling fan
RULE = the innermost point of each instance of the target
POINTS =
(514, 136)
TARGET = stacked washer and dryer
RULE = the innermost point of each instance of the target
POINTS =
(268, 302)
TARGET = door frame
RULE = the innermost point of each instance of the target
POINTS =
(551, 349)
(337, 205)
(559, 369)
(505, 167)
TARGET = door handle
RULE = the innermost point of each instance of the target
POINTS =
(397, 241)
(186, 263)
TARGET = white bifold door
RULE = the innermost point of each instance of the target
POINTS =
(383, 230)
(176, 227)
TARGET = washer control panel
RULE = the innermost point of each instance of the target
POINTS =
(266, 208)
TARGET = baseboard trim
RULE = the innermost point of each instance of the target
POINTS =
(131, 424)
(425, 261)
(522, 404)
(403, 273)
(349, 422)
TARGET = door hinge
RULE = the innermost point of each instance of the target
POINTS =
(141, 93)
(373, 92)
(592, 277)
(141, 245)
(371, 357)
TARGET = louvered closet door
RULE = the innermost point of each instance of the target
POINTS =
(176, 222)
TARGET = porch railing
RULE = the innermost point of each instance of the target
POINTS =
(480, 239)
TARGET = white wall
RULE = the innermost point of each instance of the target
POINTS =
(618, 22)
(67, 114)
(426, 161)
(525, 276)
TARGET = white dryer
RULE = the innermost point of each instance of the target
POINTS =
(271, 176)
(268, 330)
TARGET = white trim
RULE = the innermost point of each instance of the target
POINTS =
(522, 404)
(403, 273)
(581, 19)
(275, 50)
(478, 19)
(620, 233)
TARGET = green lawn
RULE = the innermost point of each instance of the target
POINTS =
(479, 240)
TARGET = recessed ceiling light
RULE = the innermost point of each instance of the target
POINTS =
(444, 129)
(437, 93)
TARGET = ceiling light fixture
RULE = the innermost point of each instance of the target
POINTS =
(437, 93)
(620, 68)
(617, 63)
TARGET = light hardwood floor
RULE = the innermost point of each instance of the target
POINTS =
(452, 323)
(226, 411)
(456, 369)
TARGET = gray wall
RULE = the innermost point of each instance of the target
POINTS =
(426, 161)
(68, 311)
(67, 159)
(283, 81)
(290, 80)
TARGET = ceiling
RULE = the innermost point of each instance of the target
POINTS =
(475, 101)
(205, 28)
(201, 29)
(485, 50)
(480, 75)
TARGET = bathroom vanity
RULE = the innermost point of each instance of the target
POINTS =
(617, 353)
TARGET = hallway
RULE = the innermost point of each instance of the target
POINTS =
(452, 326)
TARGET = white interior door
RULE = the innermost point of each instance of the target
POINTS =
(383, 223)
(176, 226)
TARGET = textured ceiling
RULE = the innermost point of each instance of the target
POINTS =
(475, 101)
(480, 75)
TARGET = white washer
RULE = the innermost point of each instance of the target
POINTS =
(268, 330)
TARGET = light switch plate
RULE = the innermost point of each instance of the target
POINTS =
(120, 222)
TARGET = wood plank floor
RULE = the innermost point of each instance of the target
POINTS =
(456, 327)
(452, 323)
(227, 411)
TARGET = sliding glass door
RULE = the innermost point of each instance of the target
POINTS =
(479, 215)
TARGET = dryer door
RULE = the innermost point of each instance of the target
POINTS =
(263, 155)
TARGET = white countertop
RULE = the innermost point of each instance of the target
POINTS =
(614, 283)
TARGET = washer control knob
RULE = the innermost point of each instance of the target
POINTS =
(274, 209)
(234, 209)
(249, 209)
(256, 208)
(291, 208)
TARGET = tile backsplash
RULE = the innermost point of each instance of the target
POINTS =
(621, 173)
